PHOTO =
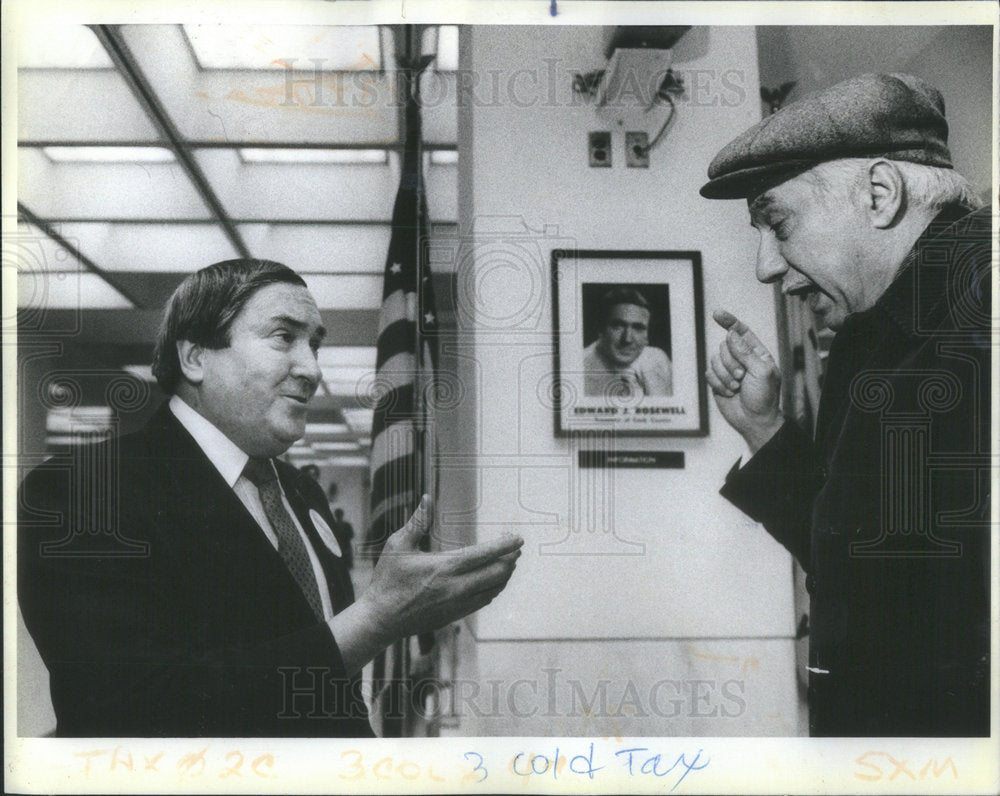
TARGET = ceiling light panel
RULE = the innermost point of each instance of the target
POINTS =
(321, 248)
(443, 157)
(31, 251)
(443, 41)
(162, 248)
(314, 430)
(67, 291)
(282, 47)
(108, 154)
(345, 292)
(347, 356)
(360, 420)
(142, 372)
(298, 191)
(295, 191)
(336, 446)
(343, 156)
(66, 420)
(55, 46)
(87, 190)
(351, 462)
(253, 106)
(81, 105)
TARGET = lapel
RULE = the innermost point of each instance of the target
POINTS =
(304, 501)
(216, 540)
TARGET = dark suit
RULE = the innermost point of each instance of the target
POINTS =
(160, 607)
(887, 509)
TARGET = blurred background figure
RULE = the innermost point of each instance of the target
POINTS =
(344, 533)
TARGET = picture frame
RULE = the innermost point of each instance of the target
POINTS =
(629, 343)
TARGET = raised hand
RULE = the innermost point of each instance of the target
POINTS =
(746, 382)
(412, 591)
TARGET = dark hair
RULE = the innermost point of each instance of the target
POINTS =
(204, 306)
(621, 295)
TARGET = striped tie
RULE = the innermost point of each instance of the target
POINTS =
(292, 550)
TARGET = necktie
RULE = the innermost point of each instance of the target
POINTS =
(292, 550)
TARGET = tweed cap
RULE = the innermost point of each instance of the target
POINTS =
(896, 116)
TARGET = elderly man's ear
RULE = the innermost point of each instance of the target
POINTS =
(885, 193)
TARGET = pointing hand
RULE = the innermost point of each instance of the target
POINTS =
(745, 382)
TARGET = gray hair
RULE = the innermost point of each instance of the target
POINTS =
(930, 187)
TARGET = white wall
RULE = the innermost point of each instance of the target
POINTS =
(956, 59)
(704, 594)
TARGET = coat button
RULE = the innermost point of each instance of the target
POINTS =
(811, 583)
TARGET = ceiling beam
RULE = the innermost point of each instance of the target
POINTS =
(236, 144)
(29, 217)
(112, 40)
(110, 327)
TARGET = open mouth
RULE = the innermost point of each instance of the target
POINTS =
(299, 399)
(801, 290)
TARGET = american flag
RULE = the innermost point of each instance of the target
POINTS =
(406, 363)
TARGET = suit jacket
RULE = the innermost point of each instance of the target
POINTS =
(887, 509)
(160, 607)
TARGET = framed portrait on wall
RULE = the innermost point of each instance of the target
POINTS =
(629, 343)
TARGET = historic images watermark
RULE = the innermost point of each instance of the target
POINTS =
(320, 692)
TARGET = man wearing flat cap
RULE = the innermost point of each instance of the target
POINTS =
(886, 506)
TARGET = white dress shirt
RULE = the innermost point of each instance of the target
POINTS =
(230, 460)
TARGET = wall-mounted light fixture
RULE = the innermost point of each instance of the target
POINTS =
(638, 74)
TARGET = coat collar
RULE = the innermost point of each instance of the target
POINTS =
(918, 299)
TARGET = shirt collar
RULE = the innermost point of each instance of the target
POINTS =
(224, 454)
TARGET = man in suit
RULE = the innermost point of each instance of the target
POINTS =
(886, 506)
(621, 361)
(200, 596)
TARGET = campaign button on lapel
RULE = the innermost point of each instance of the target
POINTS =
(325, 533)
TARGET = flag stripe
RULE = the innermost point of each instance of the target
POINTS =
(399, 337)
(385, 450)
(394, 308)
(394, 406)
(397, 475)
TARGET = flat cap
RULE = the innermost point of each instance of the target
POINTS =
(896, 116)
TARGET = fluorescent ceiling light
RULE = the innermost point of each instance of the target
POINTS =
(326, 429)
(447, 49)
(360, 420)
(67, 440)
(144, 372)
(346, 356)
(338, 156)
(335, 446)
(442, 40)
(54, 46)
(79, 419)
(349, 461)
(307, 48)
(108, 154)
(356, 374)
(70, 291)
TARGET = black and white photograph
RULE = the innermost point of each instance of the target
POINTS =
(630, 355)
(472, 398)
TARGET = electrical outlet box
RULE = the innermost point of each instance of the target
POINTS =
(637, 150)
(599, 149)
